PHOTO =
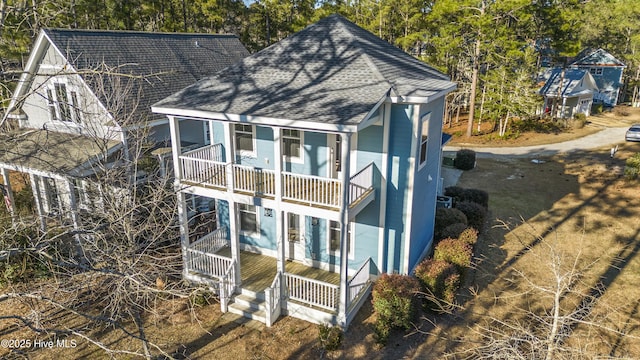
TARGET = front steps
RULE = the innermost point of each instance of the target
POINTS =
(249, 304)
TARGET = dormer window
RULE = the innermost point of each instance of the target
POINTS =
(63, 104)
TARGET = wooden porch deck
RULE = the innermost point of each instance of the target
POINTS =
(258, 271)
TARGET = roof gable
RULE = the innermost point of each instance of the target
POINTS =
(575, 82)
(600, 57)
(331, 72)
(150, 66)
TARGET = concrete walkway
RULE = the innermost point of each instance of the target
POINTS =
(606, 137)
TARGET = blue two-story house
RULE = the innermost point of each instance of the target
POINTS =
(606, 71)
(321, 156)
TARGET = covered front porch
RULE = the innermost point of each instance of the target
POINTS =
(298, 290)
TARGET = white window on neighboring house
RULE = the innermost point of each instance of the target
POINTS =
(63, 104)
(292, 144)
(248, 219)
(334, 238)
(245, 139)
(424, 137)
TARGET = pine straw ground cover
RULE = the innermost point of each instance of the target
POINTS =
(578, 202)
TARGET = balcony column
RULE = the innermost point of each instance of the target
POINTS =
(8, 194)
(233, 211)
(174, 127)
(277, 163)
(183, 221)
(37, 196)
(344, 229)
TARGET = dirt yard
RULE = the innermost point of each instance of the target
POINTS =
(578, 202)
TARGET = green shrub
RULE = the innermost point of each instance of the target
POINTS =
(394, 298)
(456, 252)
(632, 167)
(465, 159)
(455, 192)
(597, 108)
(469, 236)
(453, 231)
(446, 217)
(477, 196)
(475, 213)
(330, 337)
(440, 281)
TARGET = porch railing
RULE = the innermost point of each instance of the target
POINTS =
(312, 190)
(205, 263)
(360, 183)
(254, 180)
(273, 300)
(358, 282)
(311, 292)
(212, 242)
(202, 171)
(227, 285)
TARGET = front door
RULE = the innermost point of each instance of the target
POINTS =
(295, 238)
(335, 155)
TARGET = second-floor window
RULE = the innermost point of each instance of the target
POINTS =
(595, 71)
(63, 103)
(292, 143)
(244, 137)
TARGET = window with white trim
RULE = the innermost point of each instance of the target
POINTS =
(595, 71)
(63, 103)
(248, 218)
(245, 139)
(334, 237)
(292, 143)
(424, 139)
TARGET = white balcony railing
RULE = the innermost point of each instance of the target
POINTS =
(311, 292)
(205, 263)
(203, 166)
(254, 180)
(312, 190)
(212, 242)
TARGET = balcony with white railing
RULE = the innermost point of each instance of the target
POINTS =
(203, 167)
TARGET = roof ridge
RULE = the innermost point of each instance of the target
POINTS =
(138, 32)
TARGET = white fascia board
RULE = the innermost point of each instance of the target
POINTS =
(421, 99)
(368, 119)
(255, 120)
(28, 73)
(24, 169)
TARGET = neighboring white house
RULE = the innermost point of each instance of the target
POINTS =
(323, 165)
(82, 96)
(570, 91)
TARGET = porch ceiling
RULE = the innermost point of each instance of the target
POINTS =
(50, 152)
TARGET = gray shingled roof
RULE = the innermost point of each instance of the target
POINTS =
(167, 62)
(50, 151)
(572, 79)
(599, 57)
(332, 71)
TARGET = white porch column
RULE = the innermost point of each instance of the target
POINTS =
(233, 213)
(184, 229)
(564, 104)
(344, 229)
(35, 189)
(7, 188)
(174, 128)
(73, 207)
(280, 232)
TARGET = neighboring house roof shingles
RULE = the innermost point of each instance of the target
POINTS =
(50, 151)
(573, 78)
(599, 57)
(332, 72)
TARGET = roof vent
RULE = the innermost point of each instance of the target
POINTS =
(197, 44)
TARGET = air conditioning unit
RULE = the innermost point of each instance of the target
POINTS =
(444, 202)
